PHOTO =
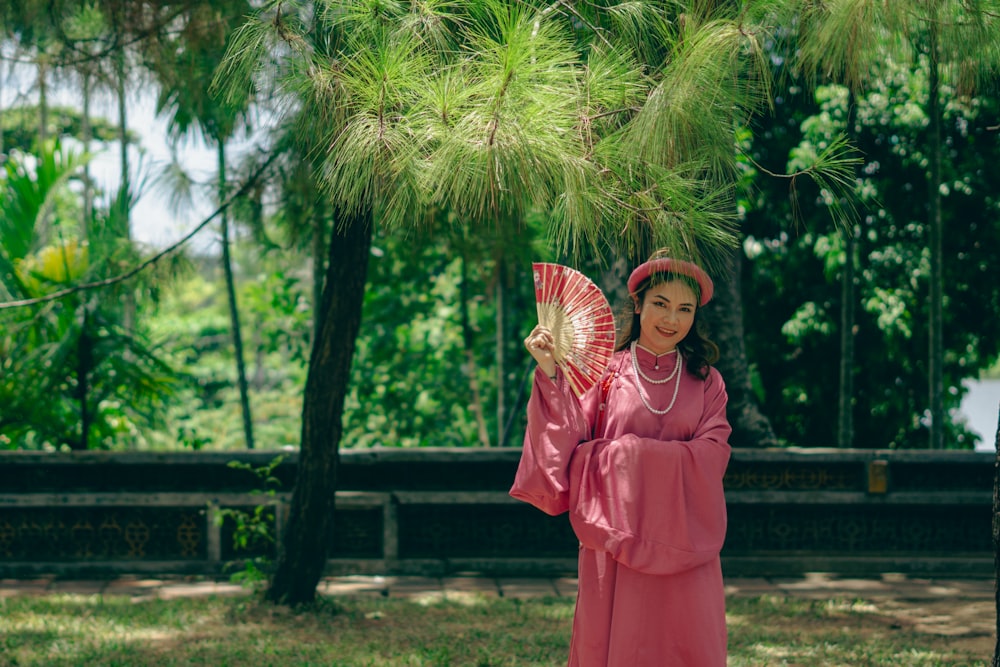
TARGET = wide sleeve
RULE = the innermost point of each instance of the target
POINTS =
(556, 425)
(656, 506)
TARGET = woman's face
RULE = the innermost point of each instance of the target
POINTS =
(666, 315)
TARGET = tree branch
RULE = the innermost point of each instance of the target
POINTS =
(580, 17)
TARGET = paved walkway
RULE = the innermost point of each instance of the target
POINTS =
(810, 586)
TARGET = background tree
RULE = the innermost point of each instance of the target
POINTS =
(184, 66)
(957, 43)
(795, 329)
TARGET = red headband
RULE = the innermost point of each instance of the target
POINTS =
(676, 266)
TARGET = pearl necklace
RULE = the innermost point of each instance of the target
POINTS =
(656, 367)
(638, 385)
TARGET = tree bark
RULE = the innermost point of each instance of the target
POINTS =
(303, 548)
(751, 428)
(318, 249)
(126, 185)
(123, 203)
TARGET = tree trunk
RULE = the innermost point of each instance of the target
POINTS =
(86, 132)
(725, 315)
(845, 397)
(501, 344)
(936, 324)
(234, 311)
(308, 532)
(84, 364)
(318, 249)
(125, 232)
(43, 105)
(848, 295)
(470, 359)
(123, 202)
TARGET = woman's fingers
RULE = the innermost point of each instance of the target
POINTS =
(539, 340)
(541, 344)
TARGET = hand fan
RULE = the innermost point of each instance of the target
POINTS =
(581, 321)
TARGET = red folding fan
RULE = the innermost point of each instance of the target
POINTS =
(581, 321)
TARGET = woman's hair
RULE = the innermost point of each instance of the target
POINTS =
(699, 351)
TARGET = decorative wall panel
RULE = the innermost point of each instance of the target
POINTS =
(101, 533)
(408, 509)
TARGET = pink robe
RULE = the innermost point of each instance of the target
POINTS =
(645, 498)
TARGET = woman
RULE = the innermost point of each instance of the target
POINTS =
(638, 462)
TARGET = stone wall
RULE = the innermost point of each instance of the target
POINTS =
(435, 511)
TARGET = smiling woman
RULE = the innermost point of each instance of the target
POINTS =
(638, 462)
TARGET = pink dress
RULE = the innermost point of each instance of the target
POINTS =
(645, 498)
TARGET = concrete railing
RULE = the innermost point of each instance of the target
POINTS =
(434, 511)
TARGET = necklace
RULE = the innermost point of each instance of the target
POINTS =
(648, 379)
(639, 376)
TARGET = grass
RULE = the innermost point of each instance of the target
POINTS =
(473, 631)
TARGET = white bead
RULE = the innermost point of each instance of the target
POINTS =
(639, 376)
(646, 377)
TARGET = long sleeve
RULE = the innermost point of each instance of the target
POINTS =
(657, 506)
(556, 425)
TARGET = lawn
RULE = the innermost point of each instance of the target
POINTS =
(473, 630)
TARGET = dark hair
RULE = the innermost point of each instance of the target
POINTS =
(699, 351)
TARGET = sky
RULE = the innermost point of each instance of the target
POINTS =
(980, 407)
(153, 221)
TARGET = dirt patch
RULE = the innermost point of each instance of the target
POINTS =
(965, 624)
(955, 627)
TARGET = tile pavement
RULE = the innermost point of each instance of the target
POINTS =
(810, 586)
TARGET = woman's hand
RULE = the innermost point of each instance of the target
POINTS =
(540, 344)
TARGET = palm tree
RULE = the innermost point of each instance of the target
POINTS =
(68, 362)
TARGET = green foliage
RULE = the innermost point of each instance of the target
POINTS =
(424, 372)
(794, 269)
(495, 110)
(254, 530)
(33, 204)
(411, 382)
(73, 374)
(192, 328)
